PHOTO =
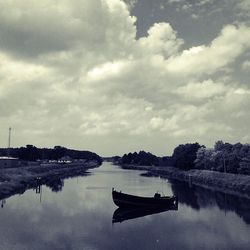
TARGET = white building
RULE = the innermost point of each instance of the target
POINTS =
(9, 162)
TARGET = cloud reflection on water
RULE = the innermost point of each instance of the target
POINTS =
(81, 218)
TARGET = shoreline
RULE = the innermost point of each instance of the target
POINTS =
(18, 180)
(234, 184)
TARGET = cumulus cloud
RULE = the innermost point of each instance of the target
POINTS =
(161, 39)
(29, 28)
(223, 50)
(131, 3)
(201, 90)
(75, 74)
(192, 6)
(244, 6)
(246, 66)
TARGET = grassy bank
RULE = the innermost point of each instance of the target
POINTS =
(228, 183)
(17, 180)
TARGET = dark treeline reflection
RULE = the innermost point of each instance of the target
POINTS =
(198, 197)
(55, 184)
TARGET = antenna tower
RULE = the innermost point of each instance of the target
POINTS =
(9, 137)
(9, 141)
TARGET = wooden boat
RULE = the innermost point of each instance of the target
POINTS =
(127, 200)
(129, 213)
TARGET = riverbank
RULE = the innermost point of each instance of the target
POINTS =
(235, 184)
(17, 180)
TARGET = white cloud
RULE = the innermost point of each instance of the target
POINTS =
(78, 77)
(161, 39)
(195, 16)
(190, 6)
(201, 90)
(106, 70)
(131, 3)
(246, 66)
(244, 5)
(32, 28)
(156, 122)
(232, 42)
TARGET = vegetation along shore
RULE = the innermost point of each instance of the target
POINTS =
(29, 171)
(226, 167)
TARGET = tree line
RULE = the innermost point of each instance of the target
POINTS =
(223, 157)
(32, 153)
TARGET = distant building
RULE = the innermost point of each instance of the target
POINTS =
(65, 159)
(9, 162)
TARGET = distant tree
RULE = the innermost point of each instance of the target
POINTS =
(28, 153)
(244, 167)
(219, 146)
(127, 158)
(59, 152)
(166, 161)
(116, 158)
(32, 153)
(204, 158)
(224, 157)
(141, 158)
(184, 155)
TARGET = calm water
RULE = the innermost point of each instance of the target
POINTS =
(80, 216)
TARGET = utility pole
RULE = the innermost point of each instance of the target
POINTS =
(224, 163)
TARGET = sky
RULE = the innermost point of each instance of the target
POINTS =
(115, 76)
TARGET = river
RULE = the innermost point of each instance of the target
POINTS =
(77, 214)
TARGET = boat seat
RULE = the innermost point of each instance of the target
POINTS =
(157, 195)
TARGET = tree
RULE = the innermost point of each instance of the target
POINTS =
(32, 153)
(184, 155)
(204, 158)
(141, 158)
(244, 167)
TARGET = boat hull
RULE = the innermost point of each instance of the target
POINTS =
(126, 200)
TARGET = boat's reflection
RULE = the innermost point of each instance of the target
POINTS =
(123, 214)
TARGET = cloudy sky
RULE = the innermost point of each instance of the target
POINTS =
(115, 76)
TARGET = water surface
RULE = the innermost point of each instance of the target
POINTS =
(79, 216)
